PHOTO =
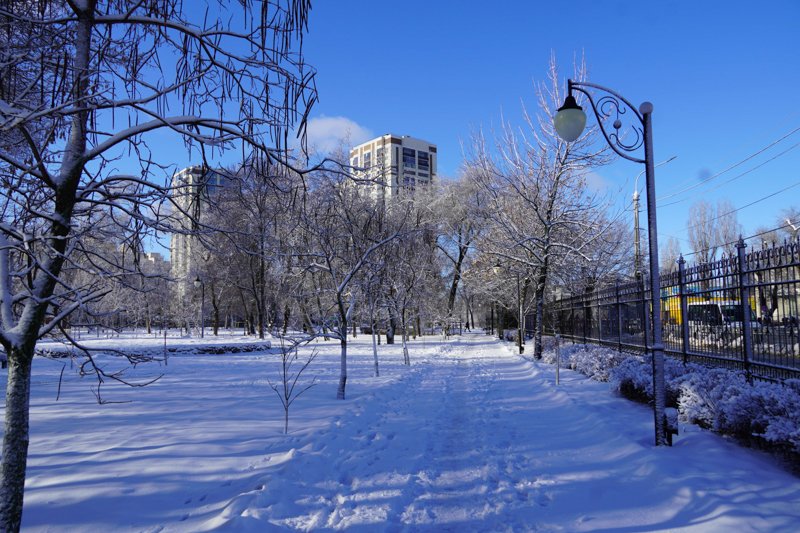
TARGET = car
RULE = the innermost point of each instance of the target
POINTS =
(720, 320)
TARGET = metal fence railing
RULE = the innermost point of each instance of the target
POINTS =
(740, 312)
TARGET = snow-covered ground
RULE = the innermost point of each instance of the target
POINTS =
(470, 438)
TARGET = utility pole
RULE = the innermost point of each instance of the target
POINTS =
(637, 246)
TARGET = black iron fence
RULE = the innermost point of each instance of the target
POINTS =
(740, 312)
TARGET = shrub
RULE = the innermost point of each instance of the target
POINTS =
(715, 398)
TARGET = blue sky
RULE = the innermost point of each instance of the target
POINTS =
(721, 75)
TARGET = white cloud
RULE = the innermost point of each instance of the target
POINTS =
(596, 182)
(326, 134)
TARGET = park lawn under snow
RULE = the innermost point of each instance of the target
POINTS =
(471, 437)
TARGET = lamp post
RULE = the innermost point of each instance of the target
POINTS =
(637, 243)
(199, 283)
(569, 122)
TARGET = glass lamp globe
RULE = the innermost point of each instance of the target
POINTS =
(570, 120)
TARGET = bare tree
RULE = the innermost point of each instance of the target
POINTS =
(410, 271)
(291, 370)
(342, 232)
(702, 235)
(670, 252)
(727, 226)
(712, 230)
(789, 222)
(84, 86)
(458, 228)
(537, 201)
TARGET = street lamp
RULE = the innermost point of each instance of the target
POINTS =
(570, 120)
(199, 283)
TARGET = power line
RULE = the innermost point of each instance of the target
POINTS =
(734, 211)
(719, 216)
(732, 179)
(737, 240)
(748, 158)
(792, 186)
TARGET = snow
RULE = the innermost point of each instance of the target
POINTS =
(471, 437)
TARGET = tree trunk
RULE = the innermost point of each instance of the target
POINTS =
(404, 337)
(374, 341)
(391, 328)
(343, 372)
(215, 306)
(308, 326)
(375, 351)
(15, 439)
(287, 314)
(451, 298)
(148, 318)
(539, 297)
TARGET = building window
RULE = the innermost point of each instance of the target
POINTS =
(354, 162)
(367, 159)
(409, 158)
(424, 161)
(409, 181)
(380, 157)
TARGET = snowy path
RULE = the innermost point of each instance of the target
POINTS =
(471, 437)
(480, 440)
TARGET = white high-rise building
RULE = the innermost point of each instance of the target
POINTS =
(395, 163)
(192, 189)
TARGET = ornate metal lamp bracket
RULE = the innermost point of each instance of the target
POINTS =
(613, 105)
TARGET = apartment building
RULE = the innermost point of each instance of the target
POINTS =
(395, 163)
(192, 188)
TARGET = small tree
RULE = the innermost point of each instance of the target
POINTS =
(340, 234)
(290, 374)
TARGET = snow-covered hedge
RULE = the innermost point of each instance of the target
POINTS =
(714, 398)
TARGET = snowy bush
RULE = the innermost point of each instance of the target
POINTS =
(714, 398)
(593, 361)
(703, 393)
(633, 378)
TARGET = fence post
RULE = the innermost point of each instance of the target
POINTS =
(744, 292)
(645, 313)
(684, 307)
(586, 310)
(619, 317)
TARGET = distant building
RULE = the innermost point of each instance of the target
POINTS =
(155, 261)
(192, 189)
(395, 163)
